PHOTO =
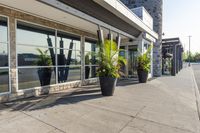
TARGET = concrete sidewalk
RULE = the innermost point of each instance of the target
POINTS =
(163, 105)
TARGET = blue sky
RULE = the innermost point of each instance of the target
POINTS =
(181, 18)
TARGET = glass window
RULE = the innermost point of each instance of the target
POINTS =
(40, 59)
(69, 74)
(29, 56)
(67, 41)
(4, 66)
(4, 80)
(90, 59)
(3, 30)
(68, 57)
(36, 56)
(3, 54)
(90, 72)
(35, 35)
(34, 77)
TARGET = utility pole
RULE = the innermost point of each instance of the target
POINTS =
(189, 50)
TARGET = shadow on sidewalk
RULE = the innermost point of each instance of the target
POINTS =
(84, 93)
(126, 82)
(47, 101)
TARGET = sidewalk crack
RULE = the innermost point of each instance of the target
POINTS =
(132, 118)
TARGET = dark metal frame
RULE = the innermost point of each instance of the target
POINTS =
(174, 47)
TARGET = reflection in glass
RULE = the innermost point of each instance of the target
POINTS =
(90, 72)
(90, 46)
(68, 57)
(34, 77)
(90, 59)
(35, 35)
(28, 56)
(4, 80)
(69, 74)
(3, 55)
(3, 30)
(67, 41)
(90, 53)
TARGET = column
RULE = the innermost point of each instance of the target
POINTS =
(13, 59)
(174, 60)
(82, 59)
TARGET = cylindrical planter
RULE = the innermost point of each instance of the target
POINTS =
(44, 76)
(142, 76)
(107, 85)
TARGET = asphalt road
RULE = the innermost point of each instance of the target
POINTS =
(196, 69)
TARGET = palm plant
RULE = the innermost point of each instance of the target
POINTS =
(109, 60)
(144, 60)
(144, 65)
(43, 59)
(44, 73)
(109, 66)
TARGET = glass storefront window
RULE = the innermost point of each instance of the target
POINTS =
(69, 73)
(28, 55)
(3, 30)
(4, 80)
(36, 55)
(68, 57)
(34, 77)
(3, 54)
(40, 58)
(90, 59)
(29, 34)
(4, 65)
(90, 71)
(67, 41)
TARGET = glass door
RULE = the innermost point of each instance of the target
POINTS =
(132, 61)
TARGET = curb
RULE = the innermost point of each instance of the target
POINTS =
(197, 94)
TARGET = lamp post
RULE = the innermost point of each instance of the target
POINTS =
(189, 58)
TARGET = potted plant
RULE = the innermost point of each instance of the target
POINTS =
(144, 64)
(44, 73)
(109, 66)
(87, 68)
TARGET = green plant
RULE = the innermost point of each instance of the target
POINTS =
(109, 60)
(144, 61)
(43, 59)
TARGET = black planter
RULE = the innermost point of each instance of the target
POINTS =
(142, 76)
(87, 72)
(107, 85)
(44, 76)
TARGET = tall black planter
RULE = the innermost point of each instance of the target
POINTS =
(107, 85)
(142, 76)
(44, 76)
(87, 72)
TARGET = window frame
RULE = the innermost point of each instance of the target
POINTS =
(56, 30)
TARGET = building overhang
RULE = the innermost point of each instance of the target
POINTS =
(120, 10)
(73, 14)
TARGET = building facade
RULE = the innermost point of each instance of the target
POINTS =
(44, 44)
(155, 9)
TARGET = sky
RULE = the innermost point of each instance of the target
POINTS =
(181, 18)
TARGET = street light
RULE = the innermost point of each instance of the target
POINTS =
(189, 58)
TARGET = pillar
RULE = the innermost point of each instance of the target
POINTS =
(82, 59)
(174, 60)
(13, 59)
